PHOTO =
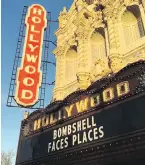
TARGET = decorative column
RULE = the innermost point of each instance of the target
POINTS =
(107, 41)
(112, 39)
(114, 56)
(59, 71)
(83, 76)
(60, 74)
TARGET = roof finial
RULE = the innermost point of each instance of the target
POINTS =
(26, 114)
(64, 9)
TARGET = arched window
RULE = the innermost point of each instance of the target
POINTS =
(98, 46)
(71, 64)
(132, 24)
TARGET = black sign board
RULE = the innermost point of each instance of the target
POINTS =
(110, 122)
(118, 111)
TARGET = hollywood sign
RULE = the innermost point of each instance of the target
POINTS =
(29, 75)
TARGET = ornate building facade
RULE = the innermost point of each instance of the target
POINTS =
(96, 39)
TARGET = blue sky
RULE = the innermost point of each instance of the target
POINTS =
(11, 17)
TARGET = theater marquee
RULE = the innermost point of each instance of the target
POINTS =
(108, 109)
(29, 75)
(84, 130)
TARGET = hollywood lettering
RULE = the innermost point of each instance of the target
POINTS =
(83, 105)
(29, 75)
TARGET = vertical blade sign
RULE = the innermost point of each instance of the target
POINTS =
(29, 75)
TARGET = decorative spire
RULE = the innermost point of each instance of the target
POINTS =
(62, 17)
(64, 10)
